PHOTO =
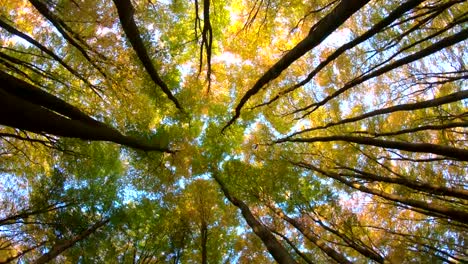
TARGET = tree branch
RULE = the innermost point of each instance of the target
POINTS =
(279, 253)
(61, 246)
(317, 34)
(29, 108)
(309, 235)
(394, 15)
(430, 207)
(457, 153)
(64, 31)
(20, 34)
(454, 97)
(444, 43)
(126, 11)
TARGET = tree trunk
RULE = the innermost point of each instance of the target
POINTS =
(125, 11)
(59, 248)
(291, 244)
(279, 253)
(431, 207)
(204, 240)
(317, 34)
(29, 108)
(457, 153)
(311, 237)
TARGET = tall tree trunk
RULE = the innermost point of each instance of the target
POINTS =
(125, 11)
(310, 236)
(279, 253)
(60, 247)
(405, 181)
(432, 208)
(30, 108)
(291, 244)
(452, 152)
(204, 240)
(317, 34)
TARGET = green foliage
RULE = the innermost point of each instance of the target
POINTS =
(290, 147)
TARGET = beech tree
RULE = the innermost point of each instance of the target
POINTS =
(233, 131)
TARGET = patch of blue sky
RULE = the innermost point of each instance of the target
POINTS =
(169, 121)
(338, 38)
(131, 195)
(199, 139)
(13, 189)
(15, 40)
(185, 70)
(183, 181)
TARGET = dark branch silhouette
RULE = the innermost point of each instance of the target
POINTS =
(406, 181)
(454, 97)
(429, 208)
(457, 153)
(307, 232)
(41, 47)
(32, 109)
(279, 253)
(317, 34)
(394, 15)
(61, 246)
(67, 33)
(126, 10)
(444, 43)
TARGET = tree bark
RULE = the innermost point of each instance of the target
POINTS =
(34, 95)
(431, 207)
(454, 97)
(457, 153)
(317, 34)
(207, 41)
(444, 43)
(60, 247)
(27, 107)
(279, 253)
(126, 10)
(310, 236)
(204, 240)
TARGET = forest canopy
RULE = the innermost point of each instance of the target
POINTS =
(253, 131)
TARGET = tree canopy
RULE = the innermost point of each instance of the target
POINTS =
(253, 131)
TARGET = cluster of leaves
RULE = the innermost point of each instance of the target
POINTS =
(245, 131)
